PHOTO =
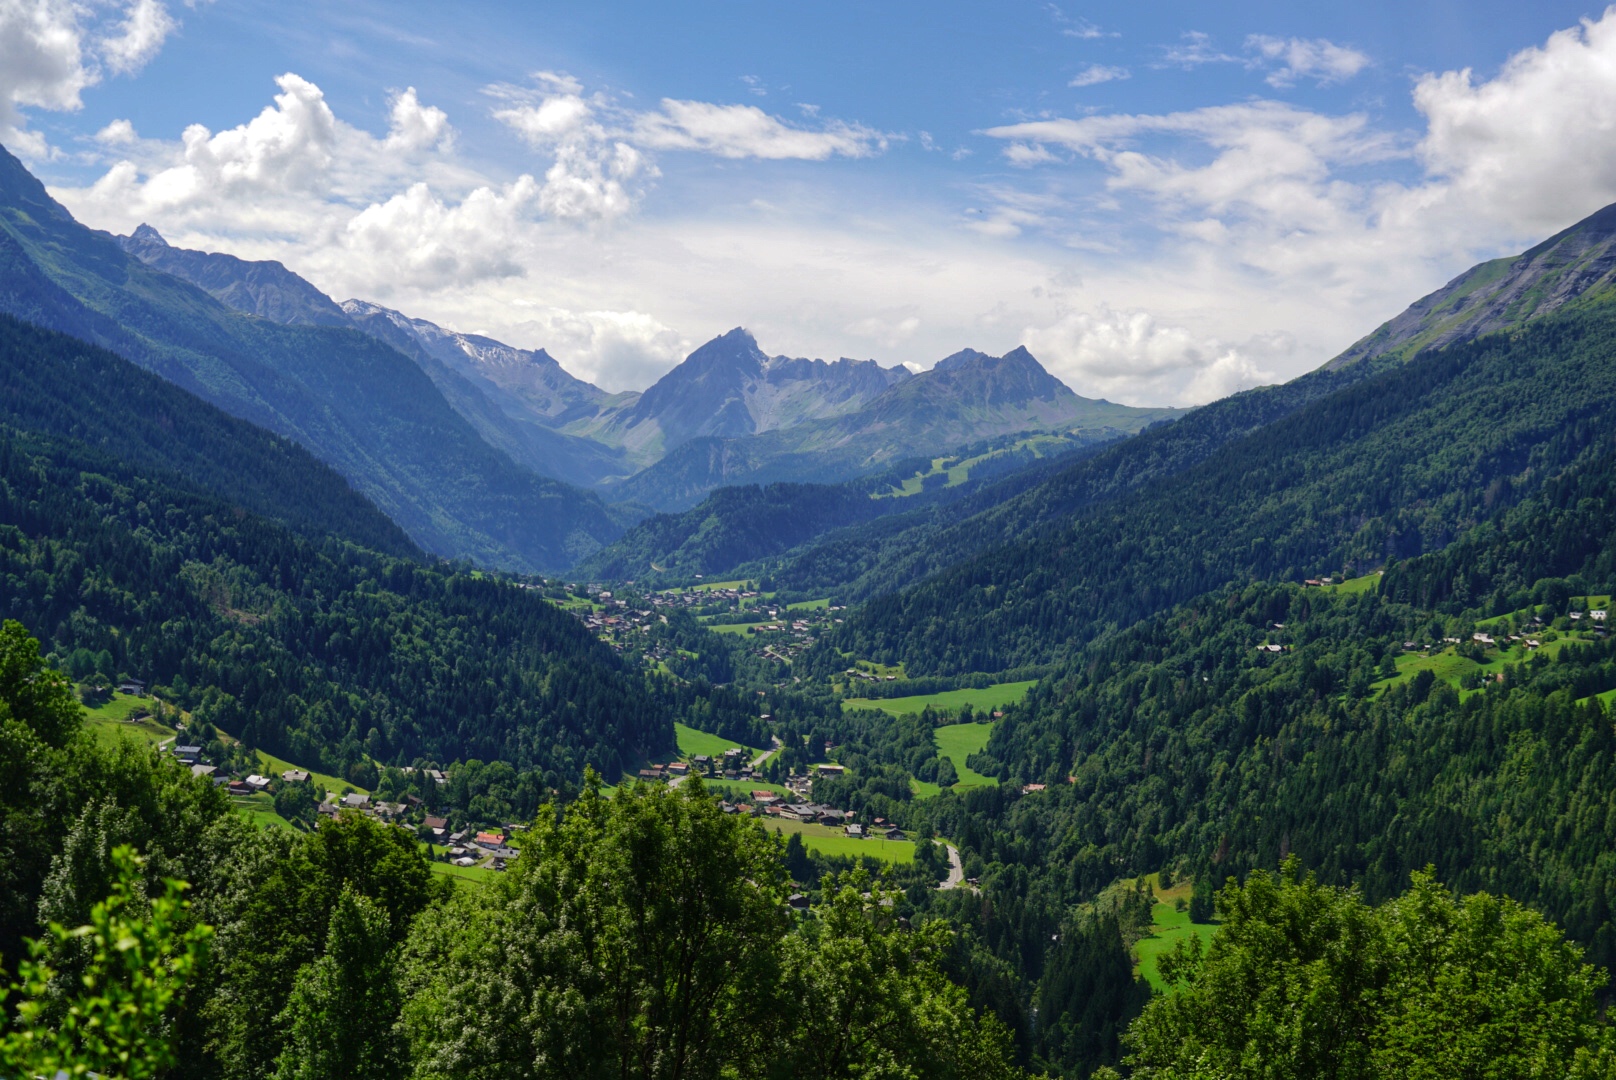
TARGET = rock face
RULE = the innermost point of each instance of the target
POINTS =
(729, 387)
(1572, 265)
(266, 289)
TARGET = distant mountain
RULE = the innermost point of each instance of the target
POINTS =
(266, 289)
(965, 398)
(358, 405)
(730, 387)
(1575, 265)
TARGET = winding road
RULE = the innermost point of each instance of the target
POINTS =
(956, 869)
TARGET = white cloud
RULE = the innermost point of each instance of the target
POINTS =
(427, 243)
(1026, 155)
(1322, 61)
(118, 133)
(1134, 357)
(51, 51)
(413, 126)
(146, 25)
(1194, 49)
(746, 131)
(1095, 74)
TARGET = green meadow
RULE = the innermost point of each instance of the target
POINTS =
(988, 697)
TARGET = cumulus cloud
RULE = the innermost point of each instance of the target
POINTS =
(145, 26)
(1322, 61)
(1194, 49)
(1133, 356)
(51, 51)
(1095, 74)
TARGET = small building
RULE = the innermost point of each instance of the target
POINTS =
(295, 776)
(465, 860)
(258, 783)
(438, 825)
(797, 902)
(765, 798)
(678, 768)
(239, 787)
(855, 830)
(356, 800)
(828, 769)
(894, 833)
(188, 754)
(203, 770)
(489, 839)
(1028, 789)
(132, 687)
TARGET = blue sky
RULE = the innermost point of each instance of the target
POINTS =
(1165, 202)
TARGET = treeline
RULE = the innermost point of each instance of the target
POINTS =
(1391, 466)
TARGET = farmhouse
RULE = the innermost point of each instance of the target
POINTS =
(489, 840)
(830, 770)
(355, 800)
(295, 776)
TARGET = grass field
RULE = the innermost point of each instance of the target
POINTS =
(742, 788)
(1450, 667)
(809, 605)
(260, 810)
(274, 766)
(1172, 926)
(693, 742)
(989, 697)
(475, 874)
(1357, 584)
(957, 742)
(829, 841)
(109, 723)
(709, 586)
(733, 628)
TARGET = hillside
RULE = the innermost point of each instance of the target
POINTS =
(1574, 265)
(58, 387)
(966, 398)
(356, 404)
(314, 649)
(1389, 466)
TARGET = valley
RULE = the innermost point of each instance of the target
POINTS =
(381, 699)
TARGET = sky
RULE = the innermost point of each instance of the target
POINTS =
(1164, 202)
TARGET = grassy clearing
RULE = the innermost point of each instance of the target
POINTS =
(1451, 668)
(1357, 584)
(957, 742)
(1171, 927)
(260, 810)
(734, 628)
(924, 789)
(958, 470)
(274, 766)
(709, 586)
(475, 874)
(989, 697)
(742, 789)
(809, 605)
(828, 841)
(693, 742)
(110, 723)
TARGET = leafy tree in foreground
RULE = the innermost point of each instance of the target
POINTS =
(1306, 980)
(117, 1026)
(344, 1005)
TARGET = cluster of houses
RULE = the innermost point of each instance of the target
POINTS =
(865, 676)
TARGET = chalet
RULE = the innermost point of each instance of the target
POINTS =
(505, 854)
(188, 754)
(894, 833)
(257, 783)
(437, 826)
(678, 768)
(203, 770)
(435, 776)
(489, 840)
(855, 830)
(239, 787)
(765, 798)
(295, 776)
(1485, 639)
(797, 902)
(132, 687)
(355, 800)
(830, 770)
(704, 762)
(1597, 615)
(1028, 789)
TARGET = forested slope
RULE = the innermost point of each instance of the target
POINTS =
(1179, 742)
(59, 386)
(315, 649)
(1388, 466)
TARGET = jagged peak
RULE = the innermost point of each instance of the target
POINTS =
(146, 234)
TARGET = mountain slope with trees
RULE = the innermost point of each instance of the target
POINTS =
(358, 405)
